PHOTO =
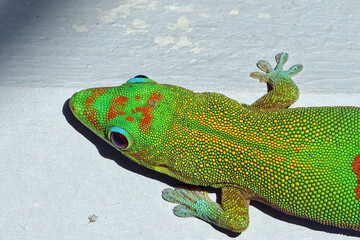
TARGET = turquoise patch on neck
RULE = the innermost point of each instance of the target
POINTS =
(140, 80)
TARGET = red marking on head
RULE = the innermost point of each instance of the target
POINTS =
(120, 100)
(146, 120)
(116, 103)
(155, 97)
(137, 97)
(130, 119)
(356, 170)
(89, 113)
(89, 101)
(146, 110)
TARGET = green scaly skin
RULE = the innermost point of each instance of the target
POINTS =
(303, 161)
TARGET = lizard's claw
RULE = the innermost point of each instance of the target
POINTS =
(264, 65)
(294, 70)
(281, 59)
(271, 76)
(259, 75)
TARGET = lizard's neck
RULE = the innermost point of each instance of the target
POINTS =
(207, 139)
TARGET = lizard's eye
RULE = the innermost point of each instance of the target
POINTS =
(120, 138)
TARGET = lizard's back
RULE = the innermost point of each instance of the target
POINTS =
(306, 161)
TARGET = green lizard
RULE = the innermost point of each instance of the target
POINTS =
(302, 161)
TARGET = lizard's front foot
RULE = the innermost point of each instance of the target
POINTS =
(232, 214)
(193, 203)
(272, 76)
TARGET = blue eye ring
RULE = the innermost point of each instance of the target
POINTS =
(140, 79)
(120, 138)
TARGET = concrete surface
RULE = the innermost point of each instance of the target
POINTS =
(54, 173)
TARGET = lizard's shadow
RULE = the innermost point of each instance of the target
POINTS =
(109, 152)
(302, 221)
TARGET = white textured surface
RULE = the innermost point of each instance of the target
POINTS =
(52, 177)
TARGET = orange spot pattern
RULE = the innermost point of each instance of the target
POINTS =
(145, 121)
(146, 111)
(153, 98)
(116, 104)
(356, 170)
(89, 113)
(130, 119)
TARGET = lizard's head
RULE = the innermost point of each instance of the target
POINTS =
(134, 118)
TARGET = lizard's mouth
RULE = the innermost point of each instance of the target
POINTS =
(72, 108)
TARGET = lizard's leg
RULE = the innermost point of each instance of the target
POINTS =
(282, 91)
(232, 214)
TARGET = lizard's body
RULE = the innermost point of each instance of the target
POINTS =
(303, 161)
